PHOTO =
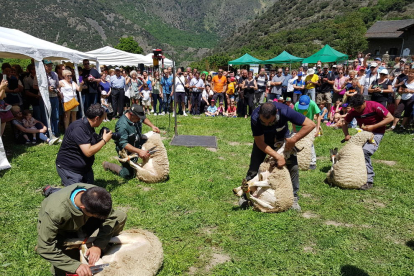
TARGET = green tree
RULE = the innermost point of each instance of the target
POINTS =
(128, 44)
(351, 35)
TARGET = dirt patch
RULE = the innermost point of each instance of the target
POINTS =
(212, 149)
(310, 248)
(386, 162)
(221, 158)
(309, 215)
(306, 195)
(217, 259)
(374, 203)
(164, 138)
(234, 144)
(124, 209)
(195, 117)
(247, 144)
(322, 158)
(337, 224)
(209, 230)
(192, 270)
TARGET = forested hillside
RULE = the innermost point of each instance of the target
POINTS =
(187, 27)
(303, 27)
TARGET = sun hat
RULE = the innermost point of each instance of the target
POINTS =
(373, 64)
(288, 99)
(384, 71)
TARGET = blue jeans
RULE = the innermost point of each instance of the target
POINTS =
(311, 93)
(54, 117)
(166, 102)
(156, 98)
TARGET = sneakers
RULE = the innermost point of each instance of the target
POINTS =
(34, 141)
(163, 113)
(53, 141)
(28, 142)
(367, 186)
(296, 205)
(312, 167)
(155, 114)
(152, 110)
(46, 190)
(185, 114)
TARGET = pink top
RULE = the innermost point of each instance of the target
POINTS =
(339, 82)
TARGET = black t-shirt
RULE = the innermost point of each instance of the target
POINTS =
(92, 86)
(70, 156)
(326, 86)
(377, 96)
(401, 78)
(280, 130)
(241, 80)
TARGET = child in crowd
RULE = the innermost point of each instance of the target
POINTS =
(105, 104)
(324, 112)
(221, 110)
(231, 110)
(351, 90)
(281, 100)
(335, 112)
(289, 102)
(146, 98)
(29, 123)
(212, 109)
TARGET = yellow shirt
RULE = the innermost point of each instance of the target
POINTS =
(314, 78)
(230, 88)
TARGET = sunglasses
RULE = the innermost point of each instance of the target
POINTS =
(68, 75)
(86, 64)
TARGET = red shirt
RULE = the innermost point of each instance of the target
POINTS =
(373, 113)
(230, 110)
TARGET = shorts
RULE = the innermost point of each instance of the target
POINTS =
(180, 97)
(218, 95)
(146, 103)
(406, 106)
(230, 96)
(397, 96)
(324, 96)
(336, 97)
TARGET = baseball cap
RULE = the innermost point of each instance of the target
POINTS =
(384, 71)
(213, 101)
(325, 66)
(377, 58)
(104, 92)
(304, 102)
(232, 79)
(137, 110)
(117, 68)
(403, 60)
(288, 99)
(362, 68)
(46, 61)
(300, 74)
(281, 99)
(318, 65)
(334, 66)
(345, 105)
(373, 64)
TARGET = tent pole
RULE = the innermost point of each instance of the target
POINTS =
(80, 93)
(175, 98)
(43, 89)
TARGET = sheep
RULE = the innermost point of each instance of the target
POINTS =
(305, 155)
(157, 167)
(349, 170)
(132, 252)
(270, 191)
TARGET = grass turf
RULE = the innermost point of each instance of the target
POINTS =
(195, 214)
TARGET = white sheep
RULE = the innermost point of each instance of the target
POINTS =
(132, 252)
(271, 190)
(157, 167)
(349, 170)
(305, 155)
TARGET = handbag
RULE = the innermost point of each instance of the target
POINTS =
(72, 103)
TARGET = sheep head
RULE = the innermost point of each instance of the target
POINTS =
(362, 137)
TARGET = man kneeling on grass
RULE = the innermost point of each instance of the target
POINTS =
(371, 116)
(76, 211)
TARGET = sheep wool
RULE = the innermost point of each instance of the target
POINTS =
(349, 171)
(156, 168)
(305, 155)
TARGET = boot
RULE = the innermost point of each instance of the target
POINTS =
(112, 167)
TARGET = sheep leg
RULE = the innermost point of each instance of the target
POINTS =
(261, 203)
(128, 158)
(261, 184)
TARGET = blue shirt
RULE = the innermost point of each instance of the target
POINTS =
(286, 80)
(326, 114)
(212, 109)
(299, 83)
(166, 83)
(280, 130)
(118, 82)
(105, 86)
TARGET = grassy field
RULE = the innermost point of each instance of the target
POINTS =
(203, 231)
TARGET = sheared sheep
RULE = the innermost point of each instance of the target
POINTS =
(132, 252)
(157, 167)
(349, 170)
(305, 155)
(270, 191)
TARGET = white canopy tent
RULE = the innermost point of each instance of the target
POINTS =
(17, 44)
(114, 57)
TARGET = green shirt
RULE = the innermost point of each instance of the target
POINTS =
(58, 217)
(312, 110)
(130, 133)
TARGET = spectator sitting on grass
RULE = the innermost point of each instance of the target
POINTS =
(20, 131)
(231, 110)
(221, 110)
(29, 123)
(289, 103)
(212, 109)
(324, 112)
(335, 112)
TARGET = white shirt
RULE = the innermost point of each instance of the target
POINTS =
(369, 79)
(68, 91)
(290, 84)
(146, 95)
(179, 85)
(197, 83)
(407, 96)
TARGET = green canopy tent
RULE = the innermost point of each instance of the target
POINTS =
(326, 54)
(246, 59)
(284, 57)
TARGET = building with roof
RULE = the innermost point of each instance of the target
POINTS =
(395, 37)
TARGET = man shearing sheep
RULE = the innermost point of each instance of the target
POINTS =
(373, 117)
(269, 123)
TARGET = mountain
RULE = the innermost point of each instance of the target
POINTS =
(302, 27)
(188, 28)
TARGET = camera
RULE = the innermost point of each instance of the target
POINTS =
(115, 135)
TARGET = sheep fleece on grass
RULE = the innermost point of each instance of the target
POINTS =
(305, 155)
